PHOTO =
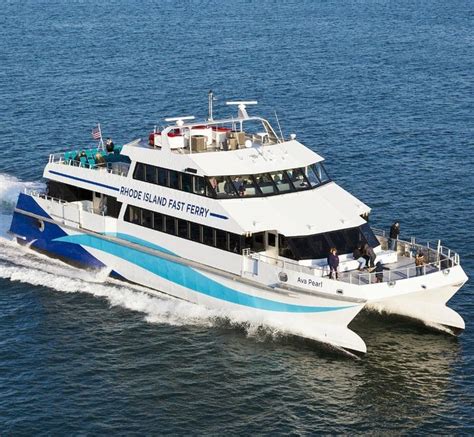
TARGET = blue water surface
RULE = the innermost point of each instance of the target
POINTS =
(383, 90)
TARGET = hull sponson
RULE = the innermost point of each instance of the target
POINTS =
(45, 238)
(321, 319)
(427, 305)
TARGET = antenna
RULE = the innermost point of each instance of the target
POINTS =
(180, 120)
(211, 98)
(242, 107)
(279, 127)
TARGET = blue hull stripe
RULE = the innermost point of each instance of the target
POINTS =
(83, 180)
(188, 277)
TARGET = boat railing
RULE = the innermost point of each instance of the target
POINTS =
(80, 205)
(433, 251)
(43, 195)
(282, 263)
(118, 168)
(437, 258)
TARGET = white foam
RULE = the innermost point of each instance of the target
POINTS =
(10, 187)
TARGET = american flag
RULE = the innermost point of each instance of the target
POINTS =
(96, 134)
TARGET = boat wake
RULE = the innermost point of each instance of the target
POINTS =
(20, 264)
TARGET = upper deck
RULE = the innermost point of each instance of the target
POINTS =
(215, 135)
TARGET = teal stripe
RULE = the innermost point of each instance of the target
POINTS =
(186, 276)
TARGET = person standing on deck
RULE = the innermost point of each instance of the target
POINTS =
(419, 263)
(393, 236)
(358, 255)
(379, 268)
(369, 255)
(333, 262)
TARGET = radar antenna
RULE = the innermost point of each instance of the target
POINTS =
(180, 120)
(242, 105)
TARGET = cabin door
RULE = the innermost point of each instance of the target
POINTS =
(271, 244)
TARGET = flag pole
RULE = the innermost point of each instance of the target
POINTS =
(101, 141)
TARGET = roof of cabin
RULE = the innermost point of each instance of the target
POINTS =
(254, 160)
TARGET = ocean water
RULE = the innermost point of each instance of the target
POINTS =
(383, 90)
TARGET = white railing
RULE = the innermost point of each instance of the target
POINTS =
(118, 168)
(79, 205)
(279, 262)
(437, 257)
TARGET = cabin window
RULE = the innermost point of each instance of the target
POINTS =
(147, 218)
(208, 236)
(369, 235)
(298, 178)
(151, 174)
(133, 215)
(162, 177)
(199, 185)
(174, 179)
(212, 186)
(187, 182)
(265, 183)
(312, 177)
(158, 222)
(271, 240)
(283, 248)
(320, 172)
(235, 243)
(258, 243)
(195, 232)
(221, 239)
(170, 223)
(317, 246)
(282, 181)
(183, 228)
(113, 207)
(139, 171)
(224, 186)
(68, 193)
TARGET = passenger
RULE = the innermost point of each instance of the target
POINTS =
(419, 263)
(379, 268)
(109, 145)
(239, 185)
(213, 182)
(358, 256)
(369, 255)
(333, 262)
(99, 160)
(394, 233)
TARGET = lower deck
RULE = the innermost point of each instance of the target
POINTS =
(403, 268)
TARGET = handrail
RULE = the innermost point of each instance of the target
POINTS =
(58, 158)
(438, 259)
(80, 206)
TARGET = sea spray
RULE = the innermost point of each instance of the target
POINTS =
(10, 187)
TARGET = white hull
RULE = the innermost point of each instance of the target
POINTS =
(217, 215)
(429, 304)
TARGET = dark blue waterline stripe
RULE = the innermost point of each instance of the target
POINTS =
(218, 216)
(83, 180)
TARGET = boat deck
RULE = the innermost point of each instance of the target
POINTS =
(404, 268)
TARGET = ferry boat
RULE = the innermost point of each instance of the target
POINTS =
(228, 214)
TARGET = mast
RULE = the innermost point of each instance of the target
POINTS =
(210, 97)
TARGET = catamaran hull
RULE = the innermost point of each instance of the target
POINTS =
(428, 302)
(321, 319)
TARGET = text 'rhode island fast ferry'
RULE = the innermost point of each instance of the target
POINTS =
(207, 212)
